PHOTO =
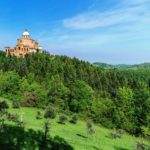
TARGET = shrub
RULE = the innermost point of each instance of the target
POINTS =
(74, 119)
(30, 100)
(3, 105)
(117, 133)
(140, 146)
(91, 131)
(12, 117)
(146, 132)
(89, 126)
(63, 119)
(50, 113)
(20, 124)
(16, 104)
(38, 115)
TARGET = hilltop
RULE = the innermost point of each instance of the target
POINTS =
(122, 66)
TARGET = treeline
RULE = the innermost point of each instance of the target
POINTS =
(122, 66)
(114, 98)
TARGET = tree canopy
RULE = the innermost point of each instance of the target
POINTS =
(112, 97)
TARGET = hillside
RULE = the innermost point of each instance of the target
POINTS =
(112, 98)
(75, 135)
(122, 66)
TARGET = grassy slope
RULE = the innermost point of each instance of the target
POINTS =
(77, 135)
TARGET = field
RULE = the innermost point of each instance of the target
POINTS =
(76, 134)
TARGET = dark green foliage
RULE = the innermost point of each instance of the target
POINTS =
(82, 96)
(16, 104)
(12, 117)
(63, 119)
(74, 119)
(46, 129)
(115, 98)
(3, 105)
(38, 115)
(20, 124)
(17, 138)
(50, 113)
(60, 144)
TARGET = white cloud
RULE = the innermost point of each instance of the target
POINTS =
(98, 34)
(125, 14)
(135, 2)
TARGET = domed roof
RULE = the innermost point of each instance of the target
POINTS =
(26, 32)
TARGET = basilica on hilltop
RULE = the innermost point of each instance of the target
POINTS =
(25, 46)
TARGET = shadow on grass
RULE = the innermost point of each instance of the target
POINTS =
(120, 148)
(96, 148)
(16, 138)
(82, 136)
(61, 123)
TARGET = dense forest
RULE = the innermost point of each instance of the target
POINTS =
(113, 98)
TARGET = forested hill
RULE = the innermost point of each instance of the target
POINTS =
(123, 66)
(114, 98)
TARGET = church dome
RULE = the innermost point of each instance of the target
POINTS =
(26, 33)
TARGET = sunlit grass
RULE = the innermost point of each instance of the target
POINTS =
(76, 134)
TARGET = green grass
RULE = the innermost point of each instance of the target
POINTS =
(76, 135)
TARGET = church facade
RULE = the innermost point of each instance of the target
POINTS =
(25, 46)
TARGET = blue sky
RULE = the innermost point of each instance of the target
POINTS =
(112, 31)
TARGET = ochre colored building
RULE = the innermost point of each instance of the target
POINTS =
(24, 46)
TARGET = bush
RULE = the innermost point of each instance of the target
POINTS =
(16, 104)
(12, 117)
(74, 119)
(38, 115)
(3, 105)
(20, 124)
(146, 132)
(89, 124)
(141, 146)
(50, 113)
(117, 134)
(63, 119)
(91, 131)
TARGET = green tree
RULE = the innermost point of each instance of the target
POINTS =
(125, 109)
(82, 96)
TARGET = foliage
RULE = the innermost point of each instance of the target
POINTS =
(115, 98)
(46, 129)
(74, 119)
(89, 126)
(117, 134)
(38, 115)
(140, 145)
(3, 105)
(62, 119)
(16, 104)
(50, 113)
(18, 138)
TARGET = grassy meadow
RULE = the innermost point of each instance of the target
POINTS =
(76, 134)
